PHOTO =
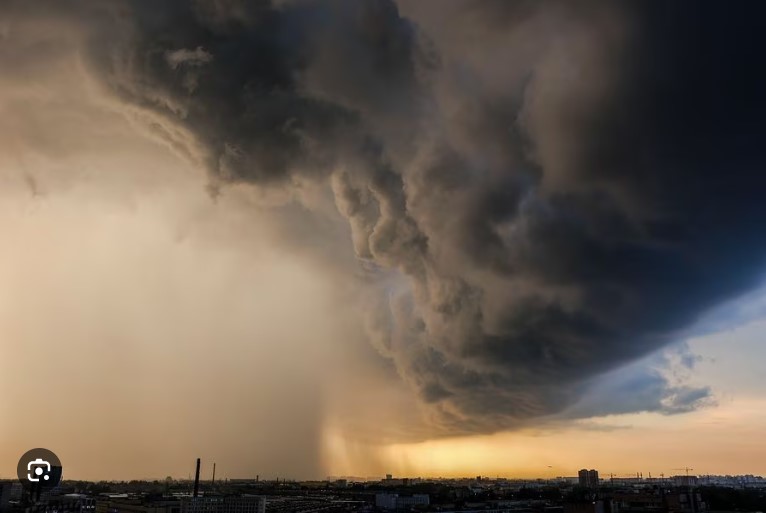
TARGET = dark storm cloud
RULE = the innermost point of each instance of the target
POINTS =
(566, 193)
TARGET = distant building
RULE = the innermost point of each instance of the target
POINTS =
(71, 502)
(396, 502)
(390, 480)
(685, 502)
(122, 503)
(658, 502)
(685, 480)
(224, 504)
(638, 502)
(588, 478)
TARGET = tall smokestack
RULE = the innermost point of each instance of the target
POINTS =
(196, 480)
(213, 481)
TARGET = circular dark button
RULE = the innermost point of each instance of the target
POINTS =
(39, 469)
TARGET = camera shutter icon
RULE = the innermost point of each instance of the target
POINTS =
(39, 468)
(38, 465)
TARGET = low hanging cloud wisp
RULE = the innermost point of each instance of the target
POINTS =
(564, 194)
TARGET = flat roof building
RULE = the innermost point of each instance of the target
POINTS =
(588, 478)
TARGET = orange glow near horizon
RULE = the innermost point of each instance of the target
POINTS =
(717, 441)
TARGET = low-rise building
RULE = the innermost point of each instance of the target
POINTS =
(224, 504)
(396, 502)
(124, 503)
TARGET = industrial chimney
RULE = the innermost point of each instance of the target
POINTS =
(196, 480)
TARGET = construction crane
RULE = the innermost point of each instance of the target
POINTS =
(687, 469)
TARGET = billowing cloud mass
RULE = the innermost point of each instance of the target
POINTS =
(538, 193)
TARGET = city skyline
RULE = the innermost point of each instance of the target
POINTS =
(304, 238)
(584, 477)
(682, 494)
